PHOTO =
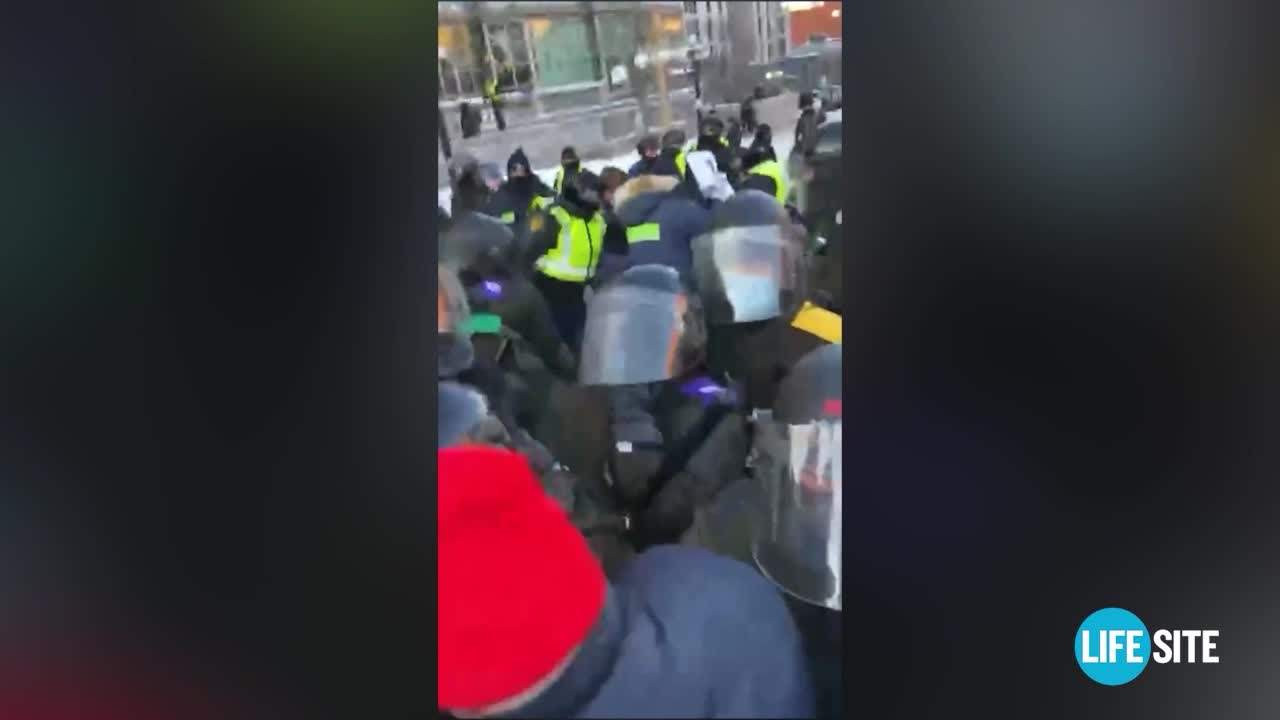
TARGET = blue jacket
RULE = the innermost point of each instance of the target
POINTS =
(685, 633)
(656, 199)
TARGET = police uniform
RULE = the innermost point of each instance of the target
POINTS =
(676, 435)
(512, 332)
(567, 241)
(771, 171)
(784, 518)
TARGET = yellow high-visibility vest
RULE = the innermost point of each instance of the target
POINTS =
(577, 250)
(772, 170)
(644, 232)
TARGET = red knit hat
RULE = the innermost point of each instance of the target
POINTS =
(518, 586)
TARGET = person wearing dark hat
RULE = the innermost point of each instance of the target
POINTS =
(566, 243)
(570, 165)
(665, 638)
(672, 152)
(711, 139)
(807, 124)
(763, 172)
(521, 194)
(648, 149)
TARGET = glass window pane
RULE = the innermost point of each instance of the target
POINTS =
(563, 50)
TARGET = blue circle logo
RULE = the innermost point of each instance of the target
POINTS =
(1112, 646)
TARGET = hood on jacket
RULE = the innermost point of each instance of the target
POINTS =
(518, 158)
(638, 198)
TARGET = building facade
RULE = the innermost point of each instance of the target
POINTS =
(757, 31)
(811, 20)
(594, 75)
(551, 55)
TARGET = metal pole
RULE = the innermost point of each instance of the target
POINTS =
(660, 68)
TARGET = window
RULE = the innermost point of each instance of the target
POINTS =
(617, 41)
(508, 56)
(564, 52)
(460, 74)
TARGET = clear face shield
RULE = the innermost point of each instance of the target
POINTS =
(748, 274)
(637, 335)
(797, 544)
(453, 318)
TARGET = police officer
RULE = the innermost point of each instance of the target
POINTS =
(675, 434)
(784, 517)
(495, 101)
(819, 200)
(570, 165)
(750, 270)
(711, 139)
(762, 169)
(673, 142)
(512, 329)
(522, 194)
(567, 241)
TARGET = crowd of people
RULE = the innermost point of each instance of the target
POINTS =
(692, 569)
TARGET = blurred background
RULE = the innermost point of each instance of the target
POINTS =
(598, 75)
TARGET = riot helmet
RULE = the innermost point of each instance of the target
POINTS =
(453, 317)
(750, 265)
(818, 174)
(796, 458)
(479, 246)
(463, 417)
(673, 139)
(643, 326)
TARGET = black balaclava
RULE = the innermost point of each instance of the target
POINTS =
(522, 184)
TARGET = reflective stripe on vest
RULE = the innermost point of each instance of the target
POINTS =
(509, 217)
(645, 232)
(680, 163)
(577, 250)
(773, 171)
(819, 322)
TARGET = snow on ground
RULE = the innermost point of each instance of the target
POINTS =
(783, 139)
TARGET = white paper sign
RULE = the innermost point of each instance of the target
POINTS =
(711, 181)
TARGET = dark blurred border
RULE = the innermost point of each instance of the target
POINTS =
(215, 431)
(1064, 357)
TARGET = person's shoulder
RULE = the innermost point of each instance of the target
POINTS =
(668, 567)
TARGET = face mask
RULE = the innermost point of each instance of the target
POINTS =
(753, 297)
